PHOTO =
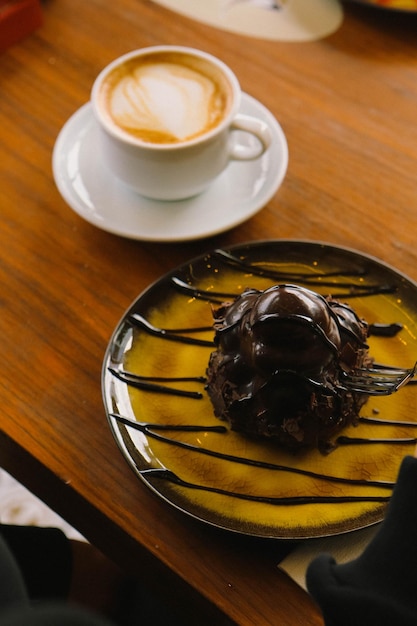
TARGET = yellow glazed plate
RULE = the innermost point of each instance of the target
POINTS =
(163, 422)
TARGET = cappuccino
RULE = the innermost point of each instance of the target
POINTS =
(165, 97)
(166, 120)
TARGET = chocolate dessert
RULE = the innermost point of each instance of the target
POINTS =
(279, 365)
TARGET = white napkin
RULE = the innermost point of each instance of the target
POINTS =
(342, 547)
(21, 507)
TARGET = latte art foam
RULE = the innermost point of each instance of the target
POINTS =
(162, 100)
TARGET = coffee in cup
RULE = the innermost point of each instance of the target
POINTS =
(165, 98)
(166, 116)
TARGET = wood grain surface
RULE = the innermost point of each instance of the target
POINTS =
(348, 106)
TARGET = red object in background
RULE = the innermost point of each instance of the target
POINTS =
(18, 18)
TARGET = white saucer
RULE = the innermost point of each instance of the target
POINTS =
(101, 199)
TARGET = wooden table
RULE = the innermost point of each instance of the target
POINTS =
(348, 106)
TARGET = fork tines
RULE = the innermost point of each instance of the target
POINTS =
(378, 380)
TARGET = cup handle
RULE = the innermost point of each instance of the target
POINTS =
(255, 127)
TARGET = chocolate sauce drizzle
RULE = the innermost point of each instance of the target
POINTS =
(172, 334)
(352, 291)
(385, 422)
(281, 500)
(148, 383)
(384, 330)
(354, 441)
(161, 385)
(153, 431)
(180, 334)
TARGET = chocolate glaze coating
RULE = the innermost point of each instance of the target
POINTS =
(279, 358)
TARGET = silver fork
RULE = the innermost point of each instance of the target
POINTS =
(378, 380)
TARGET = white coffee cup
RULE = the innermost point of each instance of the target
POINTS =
(166, 116)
